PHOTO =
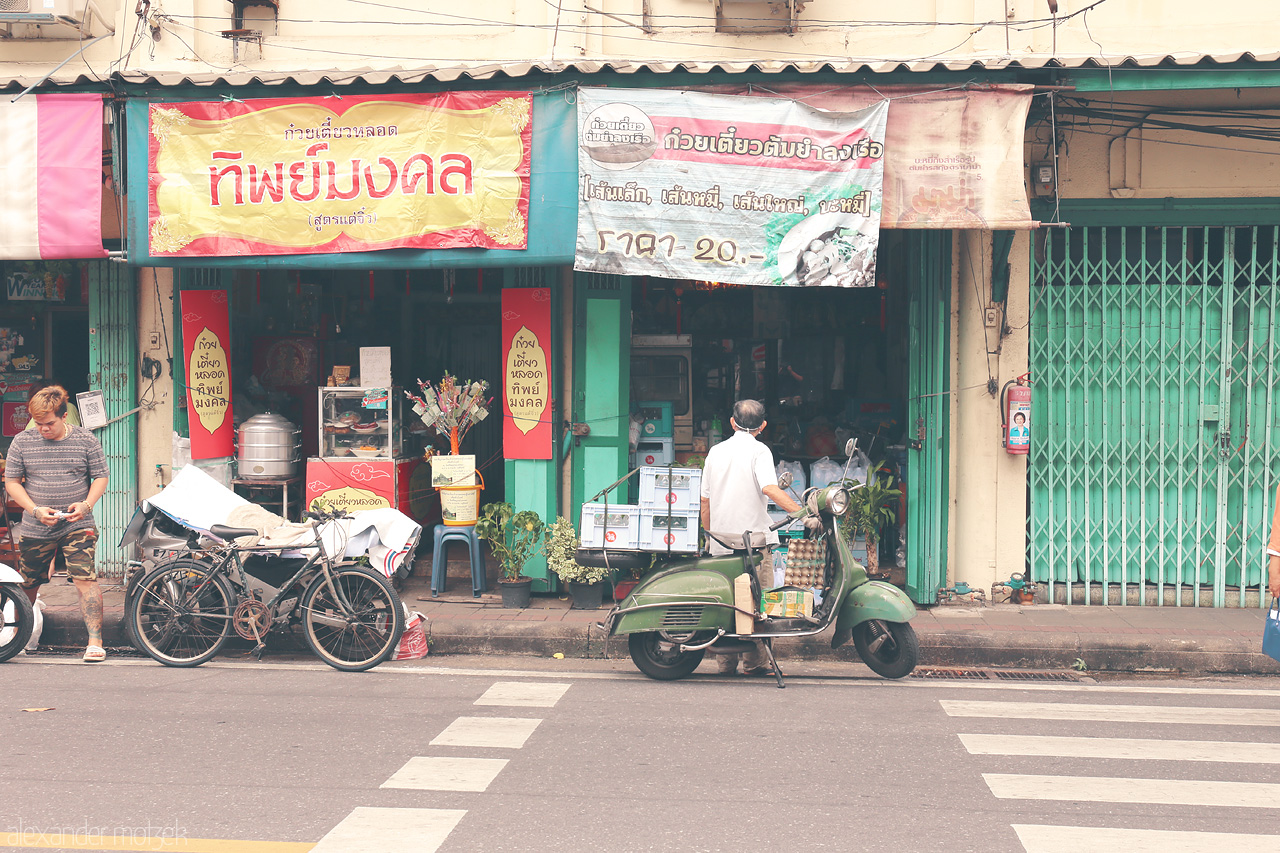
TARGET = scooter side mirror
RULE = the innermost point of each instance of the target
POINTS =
(784, 482)
(850, 448)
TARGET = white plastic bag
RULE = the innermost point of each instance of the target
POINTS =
(798, 478)
(413, 642)
(824, 472)
(860, 468)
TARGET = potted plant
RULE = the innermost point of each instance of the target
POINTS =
(514, 538)
(585, 583)
(871, 506)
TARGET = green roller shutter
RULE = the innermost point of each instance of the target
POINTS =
(1155, 441)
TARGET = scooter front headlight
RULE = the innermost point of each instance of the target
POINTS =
(838, 501)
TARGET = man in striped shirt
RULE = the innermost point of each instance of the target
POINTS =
(56, 472)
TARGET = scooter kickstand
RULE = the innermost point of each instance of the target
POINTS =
(777, 670)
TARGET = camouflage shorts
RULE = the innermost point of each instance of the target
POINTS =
(76, 548)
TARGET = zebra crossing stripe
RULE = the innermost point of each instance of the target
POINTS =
(376, 830)
(1230, 752)
(446, 774)
(499, 732)
(1172, 715)
(1098, 789)
(523, 694)
(1037, 838)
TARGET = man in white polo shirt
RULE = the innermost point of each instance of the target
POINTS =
(738, 480)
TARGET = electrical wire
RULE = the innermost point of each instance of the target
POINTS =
(472, 63)
(587, 29)
(977, 295)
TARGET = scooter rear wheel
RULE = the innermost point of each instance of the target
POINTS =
(891, 649)
(657, 658)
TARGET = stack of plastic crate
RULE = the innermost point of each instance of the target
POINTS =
(670, 500)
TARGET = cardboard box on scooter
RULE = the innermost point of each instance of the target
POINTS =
(787, 602)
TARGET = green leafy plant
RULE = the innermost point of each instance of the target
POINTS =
(513, 536)
(871, 507)
(560, 546)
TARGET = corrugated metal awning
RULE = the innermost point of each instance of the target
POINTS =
(21, 75)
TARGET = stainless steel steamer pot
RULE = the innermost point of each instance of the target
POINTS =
(269, 447)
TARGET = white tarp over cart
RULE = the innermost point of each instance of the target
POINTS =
(196, 500)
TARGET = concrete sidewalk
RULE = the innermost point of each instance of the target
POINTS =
(1192, 641)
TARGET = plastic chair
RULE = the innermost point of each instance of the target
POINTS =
(444, 534)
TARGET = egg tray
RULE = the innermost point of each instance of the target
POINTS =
(806, 563)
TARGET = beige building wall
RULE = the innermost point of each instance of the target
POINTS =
(1131, 158)
(988, 514)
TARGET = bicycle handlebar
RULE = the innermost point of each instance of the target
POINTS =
(331, 515)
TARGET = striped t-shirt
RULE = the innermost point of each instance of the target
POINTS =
(55, 474)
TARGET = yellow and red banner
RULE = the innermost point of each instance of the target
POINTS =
(279, 176)
(206, 343)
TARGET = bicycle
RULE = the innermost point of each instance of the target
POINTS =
(185, 609)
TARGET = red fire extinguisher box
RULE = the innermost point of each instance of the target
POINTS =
(1018, 420)
(360, 484)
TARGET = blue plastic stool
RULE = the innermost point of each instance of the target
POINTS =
(443, 536)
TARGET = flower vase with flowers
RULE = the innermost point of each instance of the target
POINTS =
(451, 407)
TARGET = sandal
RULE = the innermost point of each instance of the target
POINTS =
(762, 671)
(94, 654)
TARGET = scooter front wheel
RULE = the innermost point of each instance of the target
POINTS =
(18, 620)
(891, 649)
(661, 659)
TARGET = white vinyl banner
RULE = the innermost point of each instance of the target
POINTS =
(726, 188)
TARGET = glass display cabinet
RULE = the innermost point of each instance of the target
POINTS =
(350, 427)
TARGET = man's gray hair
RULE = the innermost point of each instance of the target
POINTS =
(748, 414)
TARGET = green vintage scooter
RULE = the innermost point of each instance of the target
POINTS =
(684, 607)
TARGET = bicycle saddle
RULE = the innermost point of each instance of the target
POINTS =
(227, 533)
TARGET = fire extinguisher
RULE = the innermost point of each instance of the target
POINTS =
(1015, 415)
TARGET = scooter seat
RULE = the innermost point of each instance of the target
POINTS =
(736, 541)
(600, 558)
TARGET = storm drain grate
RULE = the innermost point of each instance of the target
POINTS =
(930, 672)
(1035, 676)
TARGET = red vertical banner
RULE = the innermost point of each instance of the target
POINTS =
(526, 380)
(206, 344)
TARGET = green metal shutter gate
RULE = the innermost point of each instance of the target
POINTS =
(928, 412)
(113, 346)
(1154, 448)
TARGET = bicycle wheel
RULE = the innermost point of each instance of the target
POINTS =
(181, 613)
(357, 638)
